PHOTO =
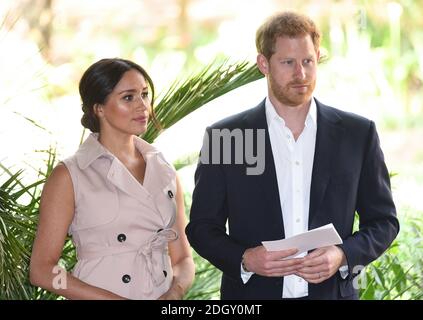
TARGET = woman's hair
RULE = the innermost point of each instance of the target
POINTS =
(99, 80)
(285, 24)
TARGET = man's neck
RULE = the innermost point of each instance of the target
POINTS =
(294, 116)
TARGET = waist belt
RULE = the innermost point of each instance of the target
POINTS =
(152, 269)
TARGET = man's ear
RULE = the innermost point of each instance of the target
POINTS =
(263, 64)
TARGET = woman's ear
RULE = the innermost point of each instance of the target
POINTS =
(98, 110)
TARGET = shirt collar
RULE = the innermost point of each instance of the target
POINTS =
(272, 115)
(92, 149)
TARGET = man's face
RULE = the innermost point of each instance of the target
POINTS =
(291, 70)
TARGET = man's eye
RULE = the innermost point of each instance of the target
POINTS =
(288, 62)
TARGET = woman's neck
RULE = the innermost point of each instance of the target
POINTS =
(122, 146)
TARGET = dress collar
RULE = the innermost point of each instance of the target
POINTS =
(92, 149)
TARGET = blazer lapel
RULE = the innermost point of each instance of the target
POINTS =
(328, 139)
(121, 178)
(268, 184)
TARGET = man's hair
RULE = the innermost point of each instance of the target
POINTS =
(285, 24)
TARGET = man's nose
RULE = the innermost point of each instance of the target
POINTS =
(299, 71)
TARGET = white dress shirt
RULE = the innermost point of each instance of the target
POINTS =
(294, 164)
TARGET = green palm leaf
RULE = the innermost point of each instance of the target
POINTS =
(19, 206)
(187, 96)
(16, 234)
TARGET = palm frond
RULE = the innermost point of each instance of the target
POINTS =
(18, 223)
(33, 122)
(185, 160)
(207, 281)
(17, 232)
(189, 95)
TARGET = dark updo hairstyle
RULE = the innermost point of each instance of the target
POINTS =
(99, 80)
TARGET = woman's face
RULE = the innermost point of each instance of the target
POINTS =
(126, 109)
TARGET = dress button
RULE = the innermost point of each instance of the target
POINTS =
(121, 237)
(165, 273)
(170, 193)
(126, 278)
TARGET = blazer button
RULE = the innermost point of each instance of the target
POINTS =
(165, 273)
(121, 237)
(126, 278)
(170, 193)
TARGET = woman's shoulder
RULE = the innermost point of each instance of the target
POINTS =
(60, 177)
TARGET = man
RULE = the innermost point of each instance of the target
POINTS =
(321, 165)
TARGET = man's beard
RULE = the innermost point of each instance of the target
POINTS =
(287, 96)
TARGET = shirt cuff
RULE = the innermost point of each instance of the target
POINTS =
(245, 276)
(344, 271)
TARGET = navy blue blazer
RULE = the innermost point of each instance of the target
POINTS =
(349, 175)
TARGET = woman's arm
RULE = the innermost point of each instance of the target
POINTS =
(180, 253)
(56, 214)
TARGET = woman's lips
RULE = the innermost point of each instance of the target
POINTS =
(141, 119)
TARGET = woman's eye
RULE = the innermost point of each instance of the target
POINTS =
(144, 95)
(129, 97)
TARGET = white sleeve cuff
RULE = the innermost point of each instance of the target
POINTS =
(245, 276)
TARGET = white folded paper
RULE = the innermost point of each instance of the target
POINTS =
(312, 239)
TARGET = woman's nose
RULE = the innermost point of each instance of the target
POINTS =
(142, 103)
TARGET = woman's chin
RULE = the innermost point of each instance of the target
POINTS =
(140, 131)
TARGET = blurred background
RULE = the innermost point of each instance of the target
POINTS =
(373, 68)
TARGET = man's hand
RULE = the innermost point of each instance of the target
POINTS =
(270, 263)
(321, 264)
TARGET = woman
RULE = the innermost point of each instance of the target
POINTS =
(117, 197)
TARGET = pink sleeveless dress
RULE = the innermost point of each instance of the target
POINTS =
(121, 228)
